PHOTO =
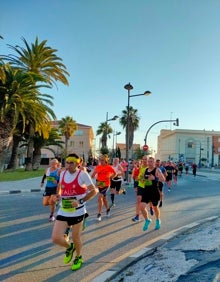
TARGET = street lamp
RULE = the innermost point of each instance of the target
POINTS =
(200, 155)
(113, 118)
(106, 125)
(129, 87)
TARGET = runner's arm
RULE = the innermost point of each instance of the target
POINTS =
(160, 175)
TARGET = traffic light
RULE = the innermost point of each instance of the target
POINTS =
(176, 122)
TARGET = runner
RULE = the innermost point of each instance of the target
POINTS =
(180, 168)
(160, 184)
(175, 174)
(68, 228)
(74, 190)
(116, 182)
(124, 164)
(52, 175)
(194, 169)
(140, 188)
(103, 173)
(151, 193)
(169, 169)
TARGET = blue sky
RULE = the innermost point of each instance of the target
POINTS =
(169, 47)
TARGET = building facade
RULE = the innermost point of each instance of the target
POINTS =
(82, 143)
(122, 147)
(191, 146)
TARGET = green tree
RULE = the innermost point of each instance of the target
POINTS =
(18, 96)
(67, 126)
(105, 130)
(40, 62)
(40, 142)
(132, 123)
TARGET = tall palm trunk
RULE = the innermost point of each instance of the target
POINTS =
(5, 140)
(36, 158)
(14, 154)
(30, 149)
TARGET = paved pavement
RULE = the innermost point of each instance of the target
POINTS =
(190, 253)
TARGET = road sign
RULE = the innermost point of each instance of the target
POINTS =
(145, 147)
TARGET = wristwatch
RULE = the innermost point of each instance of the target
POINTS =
(81, 201)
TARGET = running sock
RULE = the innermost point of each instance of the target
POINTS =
(67, 230)
(112, 197)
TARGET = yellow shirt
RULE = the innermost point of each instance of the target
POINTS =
(141, 179)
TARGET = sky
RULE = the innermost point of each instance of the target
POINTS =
(168, 47)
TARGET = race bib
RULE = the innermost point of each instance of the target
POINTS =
(101, 184)
(67, 204)
(148, 182)
(50, 178)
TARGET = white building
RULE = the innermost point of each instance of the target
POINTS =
(192, 146)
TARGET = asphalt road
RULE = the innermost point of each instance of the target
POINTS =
(27, 253)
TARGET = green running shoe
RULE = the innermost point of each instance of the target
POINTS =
(77, 263)
(158, 222)
(69, 254)
(146, 224)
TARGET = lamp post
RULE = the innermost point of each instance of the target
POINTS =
(200, 154)
(129, 87)
(106, 124)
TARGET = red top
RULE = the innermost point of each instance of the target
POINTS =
(73, 188)
(104, 173)
(136, 173)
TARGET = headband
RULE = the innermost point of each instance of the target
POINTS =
(73, 159)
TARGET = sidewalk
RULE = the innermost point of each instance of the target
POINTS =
(190, 253)
(21, 186)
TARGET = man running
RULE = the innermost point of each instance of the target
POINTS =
(116, 182)
(160, 184)
(140, 187)
(151, 193)
(103, 173)
(52, 175)
(74, 190)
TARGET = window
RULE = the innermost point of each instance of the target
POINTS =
(78, 133)
(81, 144)
(72, 143)
(191, 145)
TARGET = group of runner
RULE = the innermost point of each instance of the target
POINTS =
(73, 186)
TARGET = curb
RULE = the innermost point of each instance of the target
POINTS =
(21, 191)
(150, 248)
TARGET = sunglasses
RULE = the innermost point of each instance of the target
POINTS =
(70, 163)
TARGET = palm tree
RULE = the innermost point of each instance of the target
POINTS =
(67, 126)
(41, 62)
(18, 96)
(132, 123)
(105, 130)
(42, 142)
